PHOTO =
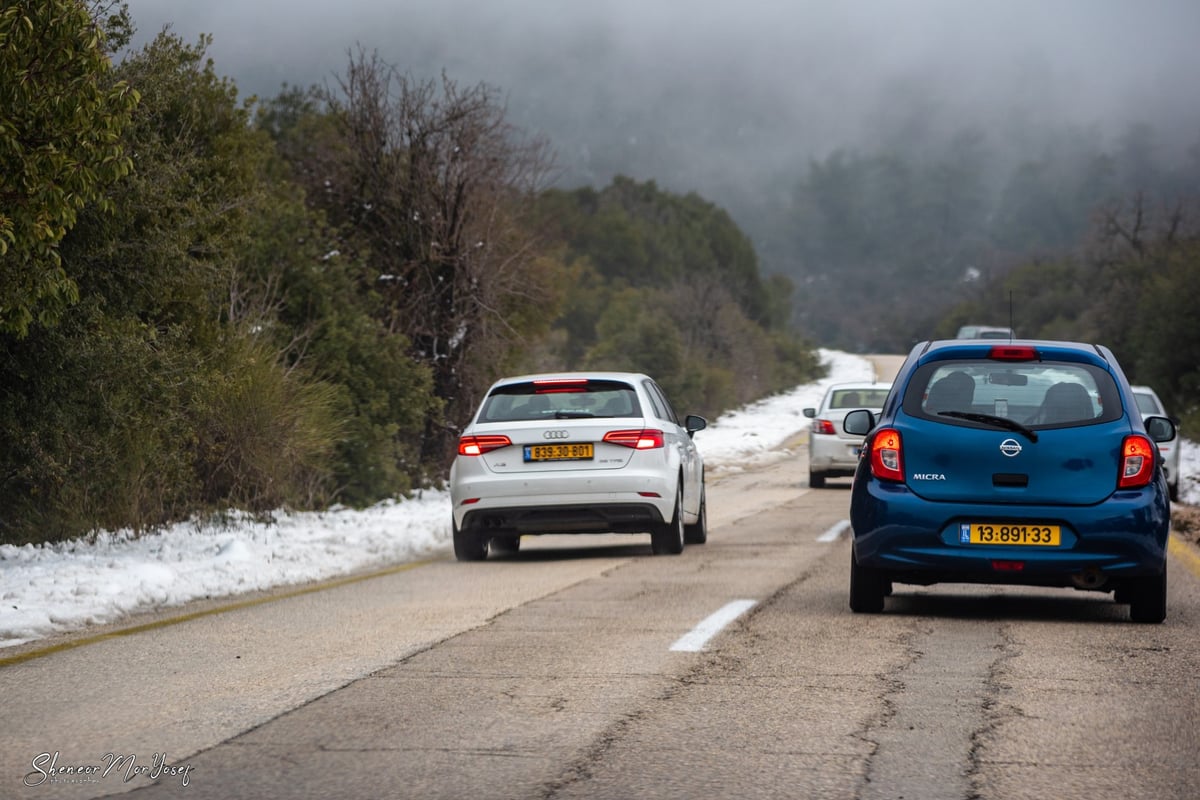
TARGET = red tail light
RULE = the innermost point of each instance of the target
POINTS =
(1013, 352)
(557, 385)
(646, 439)
(824, 426)
(478, 445)
(1137, 462)
(887, 457)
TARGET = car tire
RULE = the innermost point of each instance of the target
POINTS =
(667, 537)
(697, 532)
(1148, 599)
(505, 545)
(867, 588)
(468, 546)
(1173, 491)
(816, 480)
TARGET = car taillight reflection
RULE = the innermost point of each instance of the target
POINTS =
(887, 458)
(644, 439)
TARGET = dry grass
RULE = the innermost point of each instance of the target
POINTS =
(1185, 521)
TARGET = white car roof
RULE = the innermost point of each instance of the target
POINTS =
(631, 377)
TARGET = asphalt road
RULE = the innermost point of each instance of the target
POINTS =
(581, 668)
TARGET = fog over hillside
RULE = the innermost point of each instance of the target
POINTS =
(735, 100)
(699, 93)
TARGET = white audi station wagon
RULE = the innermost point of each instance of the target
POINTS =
(577, 452)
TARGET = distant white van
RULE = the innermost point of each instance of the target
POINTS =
(984, 332)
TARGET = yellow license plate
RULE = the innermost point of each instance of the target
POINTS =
(558, 452)
(1006, 533)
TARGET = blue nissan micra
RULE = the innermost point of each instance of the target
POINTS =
(1023, 462)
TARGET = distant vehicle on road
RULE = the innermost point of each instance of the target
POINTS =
(1149, 404)
(831, 451)
(984, 332)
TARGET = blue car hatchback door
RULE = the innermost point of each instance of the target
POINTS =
(1025, 462)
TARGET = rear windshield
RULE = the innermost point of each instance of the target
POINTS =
(858, 398)
(1036, 394)
(1145, 403)
(560, 400)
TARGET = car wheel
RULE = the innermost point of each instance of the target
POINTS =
(667, 537)
(468, 546)
(505, 545)
(697, 532)
(816, 480)
(1148, 599)
(867, 588)
(1173, 491)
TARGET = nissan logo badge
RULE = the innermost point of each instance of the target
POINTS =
(565, 434)
(1010, 447)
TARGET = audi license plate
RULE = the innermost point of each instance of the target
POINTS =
(1009, 533)
(558, 452)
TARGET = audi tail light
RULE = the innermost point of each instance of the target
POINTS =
(478, 445)
(644, 439)
(558, 385)
(887, 456)
(1137, 462)
(824, 426)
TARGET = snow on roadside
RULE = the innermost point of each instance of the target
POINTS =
(51, 588)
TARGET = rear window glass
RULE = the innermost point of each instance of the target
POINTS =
(1035, 394)
(858, 398)
(560, 400)
(1145, 403)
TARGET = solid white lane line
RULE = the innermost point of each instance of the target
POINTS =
(695, 639)
(833, 533)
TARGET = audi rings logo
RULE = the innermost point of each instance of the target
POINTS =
(556, 435)
(1010, 447)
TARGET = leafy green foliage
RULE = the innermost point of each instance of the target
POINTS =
(668, 285)
(60, 148)
(427, 187)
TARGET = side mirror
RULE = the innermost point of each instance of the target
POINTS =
(858, 422)
(810, 413)
(693, 423)
(1160, 429)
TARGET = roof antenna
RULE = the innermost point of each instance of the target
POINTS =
(1012, 332)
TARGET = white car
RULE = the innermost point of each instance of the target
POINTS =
(1150, 406)
(577, 452)
(831, 451)
(984, 332)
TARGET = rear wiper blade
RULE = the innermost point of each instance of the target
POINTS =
(988, 419)
(573, 414)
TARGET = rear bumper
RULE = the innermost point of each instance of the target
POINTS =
(603, 518)
(833, 454)
(917, 541)
(603, 501)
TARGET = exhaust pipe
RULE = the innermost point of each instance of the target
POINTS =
(1090, 578)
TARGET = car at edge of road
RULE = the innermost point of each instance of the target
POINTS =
(1150, 405)
(832, 452)
(984, 332)
(1023, 463)
(577, 452)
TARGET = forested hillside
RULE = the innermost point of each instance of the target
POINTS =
(209, 303)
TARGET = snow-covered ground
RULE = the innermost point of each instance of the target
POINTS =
(54, 588)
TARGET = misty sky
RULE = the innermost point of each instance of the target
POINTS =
(709, 89)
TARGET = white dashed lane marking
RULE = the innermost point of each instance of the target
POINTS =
(695, 639)
(833, 533)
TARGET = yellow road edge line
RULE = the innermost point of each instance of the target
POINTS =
(1183, 552)
(235, 606)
